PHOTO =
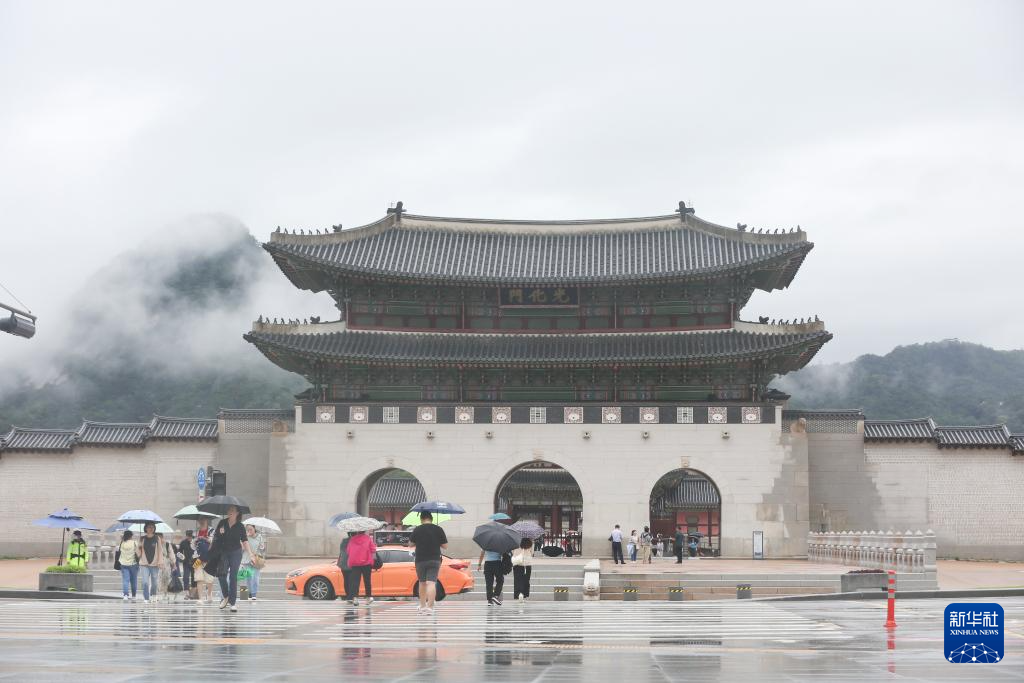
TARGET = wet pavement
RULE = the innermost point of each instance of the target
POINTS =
(291, 640)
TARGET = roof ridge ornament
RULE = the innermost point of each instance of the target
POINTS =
(398, 209)
(683, 210)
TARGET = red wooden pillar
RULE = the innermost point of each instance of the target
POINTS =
(556, 520)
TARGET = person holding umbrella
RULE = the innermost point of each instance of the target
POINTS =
(361, 554)
(254, 559)
(150, 562)
(496, 541)
(230, 540)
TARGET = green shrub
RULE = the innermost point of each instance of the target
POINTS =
(65, 569)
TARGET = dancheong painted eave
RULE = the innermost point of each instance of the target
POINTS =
(462, 251)
(525, 350)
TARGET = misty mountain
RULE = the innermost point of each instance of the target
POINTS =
(955, 382)
(157, 330)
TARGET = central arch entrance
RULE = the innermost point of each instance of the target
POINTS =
(691, 499)
(547, 494)
(388, 494)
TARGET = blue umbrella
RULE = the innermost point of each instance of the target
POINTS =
(64, 519)
(333, 521)
(140, 517)
(438, 506)
(499, 517)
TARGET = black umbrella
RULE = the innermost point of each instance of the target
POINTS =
(497, 538)
(552, 550)
(220, 504)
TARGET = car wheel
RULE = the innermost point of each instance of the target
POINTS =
(319, 588)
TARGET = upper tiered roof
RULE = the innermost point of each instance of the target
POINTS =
(467, 251)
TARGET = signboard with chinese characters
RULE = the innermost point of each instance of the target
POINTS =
(973, 633)
(539, 296)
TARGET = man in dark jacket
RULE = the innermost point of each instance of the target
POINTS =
(187, 574)
(343, 566)
(680, 543)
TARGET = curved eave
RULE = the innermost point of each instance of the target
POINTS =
(774, 271)
(313, 349)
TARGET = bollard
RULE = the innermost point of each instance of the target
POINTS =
(890, 613)
(629, 593)
(743, 591)
(561, 593)
(675, 594)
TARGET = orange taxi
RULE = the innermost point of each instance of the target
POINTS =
(395, 579)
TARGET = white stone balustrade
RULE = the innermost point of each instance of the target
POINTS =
(908, 552)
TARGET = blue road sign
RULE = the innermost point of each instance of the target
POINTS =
(201, 478)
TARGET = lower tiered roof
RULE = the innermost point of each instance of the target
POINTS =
(293, 350)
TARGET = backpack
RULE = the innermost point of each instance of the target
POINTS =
(506, 563)
(645, 538)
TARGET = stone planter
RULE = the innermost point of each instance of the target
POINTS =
(850, 583)
(81, 583)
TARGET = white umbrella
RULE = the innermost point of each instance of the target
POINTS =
(264, 524)
(360, 524)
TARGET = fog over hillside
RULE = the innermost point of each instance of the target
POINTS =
(158, 329)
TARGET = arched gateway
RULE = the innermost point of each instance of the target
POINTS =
(388, 494)
(688, 498)
(547, 494)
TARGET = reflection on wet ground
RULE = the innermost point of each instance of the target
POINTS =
(467, 641)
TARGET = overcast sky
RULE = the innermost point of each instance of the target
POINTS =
(892, 132)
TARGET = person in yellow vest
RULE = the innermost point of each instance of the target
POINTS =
(78, 551)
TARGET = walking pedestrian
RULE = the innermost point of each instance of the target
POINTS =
(229, 541)
(346, 580)
(429, 539)
(634, 540)
(522, 561)
(254, 559)
(187, 552)
(150, 562)
(78, 552)
(128, 553)
(362, 552)
(645, 546)
(494, 577)
(616, 539)
(167, 569)
(680, 542)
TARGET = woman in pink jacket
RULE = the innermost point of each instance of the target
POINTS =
(361, 553)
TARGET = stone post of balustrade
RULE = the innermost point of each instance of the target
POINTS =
(930, 548)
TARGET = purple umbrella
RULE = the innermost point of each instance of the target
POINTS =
(64, 519)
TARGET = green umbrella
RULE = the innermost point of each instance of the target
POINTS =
(413, 518)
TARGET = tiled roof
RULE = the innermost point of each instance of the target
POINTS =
(183, 429)
(530, 349)
(692, 492)
(396, 492)
(899, 430)
(987, 436)
(128, 434)
(113, 433)
(925, 429)
(453, 250)
(1017, 443)
(54, 440)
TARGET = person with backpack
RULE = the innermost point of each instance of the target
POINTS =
(362, 552)
(494, 575)
(645, 545)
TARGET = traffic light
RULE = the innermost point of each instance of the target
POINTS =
(18, 325)
(216, 482)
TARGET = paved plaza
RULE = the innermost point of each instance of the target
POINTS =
(290, 640)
